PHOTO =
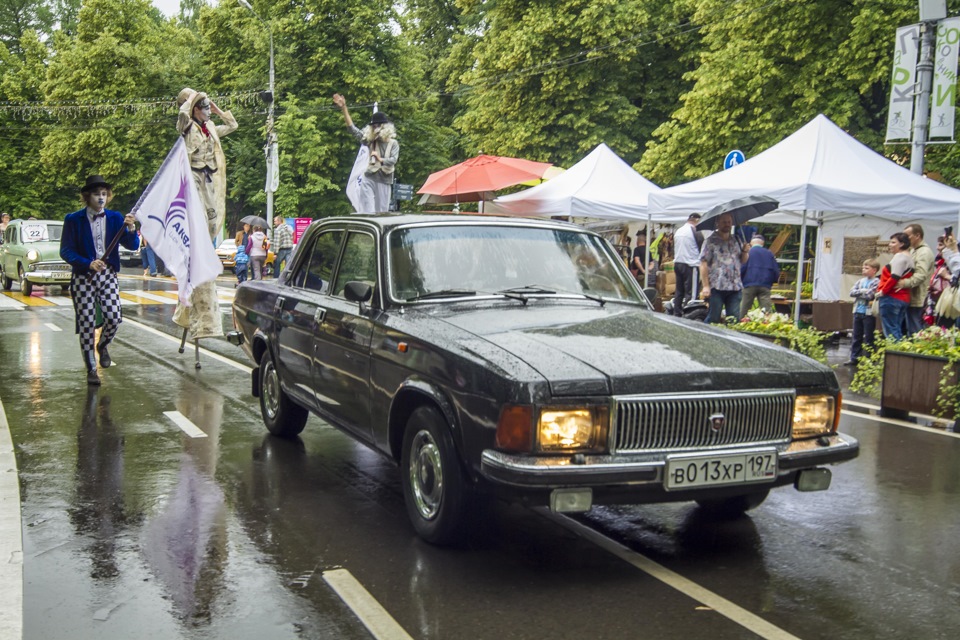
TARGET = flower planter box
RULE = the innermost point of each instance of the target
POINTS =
(911, 382)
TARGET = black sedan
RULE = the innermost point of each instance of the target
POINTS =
(518, 358)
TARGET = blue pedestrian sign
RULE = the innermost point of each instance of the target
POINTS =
(733, 158)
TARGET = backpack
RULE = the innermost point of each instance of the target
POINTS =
(241, 257)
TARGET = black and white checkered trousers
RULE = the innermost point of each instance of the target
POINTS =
(87, 289)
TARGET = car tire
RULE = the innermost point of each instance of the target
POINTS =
(436, 491)
(282, 416)
(697, 315)
(734, 506)
(5, 281)
(26, 287)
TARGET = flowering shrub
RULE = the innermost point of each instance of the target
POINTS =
(809, 342)
(932, 341)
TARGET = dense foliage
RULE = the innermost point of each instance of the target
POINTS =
(671, 85)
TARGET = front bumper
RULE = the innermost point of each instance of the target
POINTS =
(643, 473)
(48, 277)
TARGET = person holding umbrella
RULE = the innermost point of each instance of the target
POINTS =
(257, 246)
(720, 260)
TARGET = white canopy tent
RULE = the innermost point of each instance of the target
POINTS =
(820, 174)
(601, 185)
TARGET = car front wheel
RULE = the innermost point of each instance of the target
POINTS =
(435, 488)
(26, 287)
(282, 416)
(734, 506)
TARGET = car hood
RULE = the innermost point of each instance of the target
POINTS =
(624, 350)
(48, 250)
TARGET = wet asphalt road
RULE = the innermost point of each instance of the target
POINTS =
(134, 529)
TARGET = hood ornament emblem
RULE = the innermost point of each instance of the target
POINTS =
(717, 422)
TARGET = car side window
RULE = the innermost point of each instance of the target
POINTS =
(315, 272)
(359, 262)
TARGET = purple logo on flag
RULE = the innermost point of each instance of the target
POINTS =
(176, 216)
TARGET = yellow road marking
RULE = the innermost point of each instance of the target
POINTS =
(133, 297)
(30, 301)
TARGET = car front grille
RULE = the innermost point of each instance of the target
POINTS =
(695, 421)
(50, 266)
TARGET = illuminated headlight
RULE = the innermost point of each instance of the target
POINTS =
(814, 416)
(527, 429)
(33, 255)
(569, 430)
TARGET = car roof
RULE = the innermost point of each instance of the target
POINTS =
(390, 221)
(25, 221)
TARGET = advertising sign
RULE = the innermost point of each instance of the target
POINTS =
(902, 84)
(943, 105)
(299, 228)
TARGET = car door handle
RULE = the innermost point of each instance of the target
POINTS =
(319, 316)
(278, 304)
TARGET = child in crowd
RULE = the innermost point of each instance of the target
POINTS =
(864, 322)
(241, 260)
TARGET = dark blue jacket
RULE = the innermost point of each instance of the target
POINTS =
(76, 243)
(761, 268)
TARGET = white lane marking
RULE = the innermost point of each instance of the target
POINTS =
(7, 302)
(189, 346)
(185, 425)
(900, 423)
(373, 616)
(691, 589)
(11, 541)
(52, 326)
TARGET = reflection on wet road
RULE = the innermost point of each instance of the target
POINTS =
(134, 529)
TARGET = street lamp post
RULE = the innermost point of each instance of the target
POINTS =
(270, 149)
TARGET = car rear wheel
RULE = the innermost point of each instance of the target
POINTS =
(5, 281)
(435, 488)
(283, 416)
(734, 506)
(26, 287)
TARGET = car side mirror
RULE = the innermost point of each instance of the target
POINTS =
(650, 293)
(356, 291)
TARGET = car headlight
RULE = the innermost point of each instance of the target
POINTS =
(523, 428)
(33, 255)
(815, 415)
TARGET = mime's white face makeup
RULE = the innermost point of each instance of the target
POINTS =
(98, 198)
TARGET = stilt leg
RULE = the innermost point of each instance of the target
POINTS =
(196, 351)
(183, 340)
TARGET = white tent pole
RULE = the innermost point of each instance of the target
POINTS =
(803, 244)
(646, 252)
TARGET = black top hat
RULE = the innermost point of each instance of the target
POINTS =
(379, 118)
(95, 181)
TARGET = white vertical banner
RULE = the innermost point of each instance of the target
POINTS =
(903, 83)
(273, 169)
(943, 107)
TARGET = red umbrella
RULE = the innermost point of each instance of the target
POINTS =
(477, 178)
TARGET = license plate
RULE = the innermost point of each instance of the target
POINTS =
(686, 472)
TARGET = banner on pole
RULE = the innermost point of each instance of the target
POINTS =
(903, 83)
(173, 220)
(943, 107)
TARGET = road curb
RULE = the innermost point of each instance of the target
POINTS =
(11, 538)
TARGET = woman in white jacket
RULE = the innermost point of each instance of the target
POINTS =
(257, 246)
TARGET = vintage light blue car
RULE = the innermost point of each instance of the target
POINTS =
(30, 254)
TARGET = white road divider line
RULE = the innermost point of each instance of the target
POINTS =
(691, 589)
(185, 425)
(373, 616)
(899, 423)
(189, 346)
(52, 326)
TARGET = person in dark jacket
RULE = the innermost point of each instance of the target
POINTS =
(759, 274)
(89, 243)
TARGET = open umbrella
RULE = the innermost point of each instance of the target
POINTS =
(475, 179)
(743, 209)
(255, 221)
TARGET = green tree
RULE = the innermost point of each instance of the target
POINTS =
(19, 16)
(553, 79)
(766, 68)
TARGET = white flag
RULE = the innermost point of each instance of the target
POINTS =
(903, 84)
(174, 222)
(945, 79)
(356, 175)
(273, 169)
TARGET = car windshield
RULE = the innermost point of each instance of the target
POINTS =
(433, 262)
(33, 231)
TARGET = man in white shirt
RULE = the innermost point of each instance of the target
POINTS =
(686, 260)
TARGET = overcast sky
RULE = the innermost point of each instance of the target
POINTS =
(168, 7)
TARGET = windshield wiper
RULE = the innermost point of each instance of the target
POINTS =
(444, 293)
(535, 288)
(530, 288)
